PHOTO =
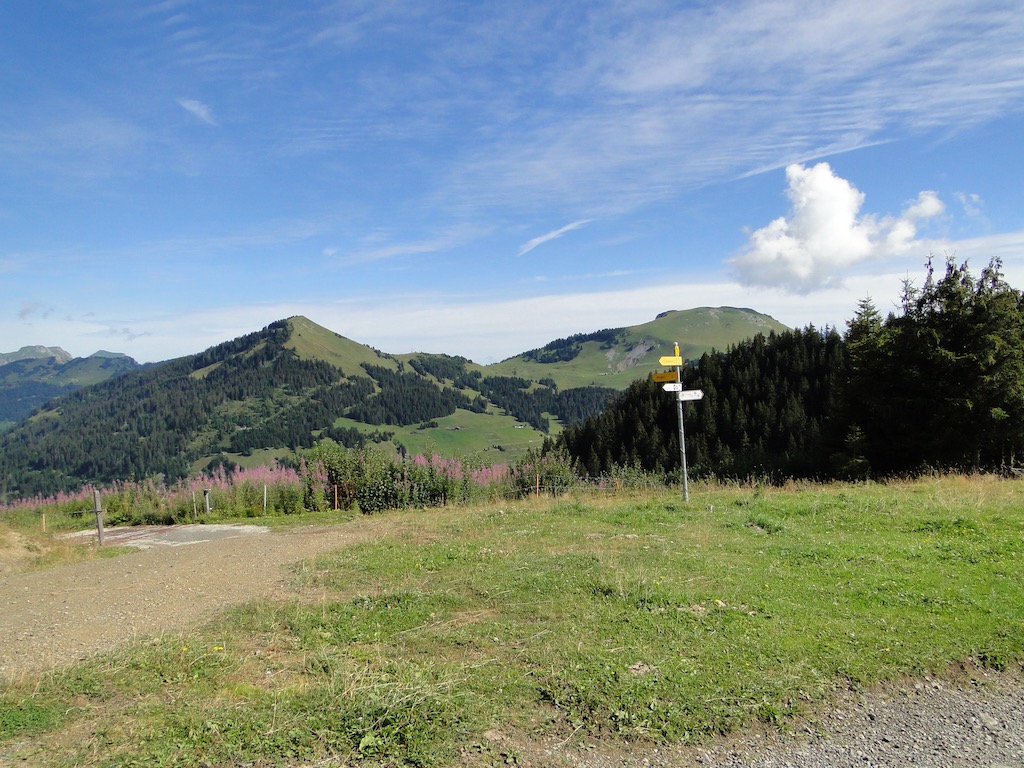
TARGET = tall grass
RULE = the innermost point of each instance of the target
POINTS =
(327, 477)
(236, 494)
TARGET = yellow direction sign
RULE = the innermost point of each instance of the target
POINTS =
(665, 376)
(671, 360)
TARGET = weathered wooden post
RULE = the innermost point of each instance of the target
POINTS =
(206, 500)
(98, 510)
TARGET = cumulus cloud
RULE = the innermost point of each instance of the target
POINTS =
(825, 233)
(198, 110)
(541, 239)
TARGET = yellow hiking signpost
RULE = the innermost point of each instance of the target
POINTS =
(673, 383)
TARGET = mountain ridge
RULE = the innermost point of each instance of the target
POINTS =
(264, 395)
(32, 375)
(35, 352)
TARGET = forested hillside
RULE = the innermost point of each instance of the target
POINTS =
(771, 405)
(257, 392)
(937, 385)
(33, 375)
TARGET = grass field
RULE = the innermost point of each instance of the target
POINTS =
(591, 618)
(488, 437)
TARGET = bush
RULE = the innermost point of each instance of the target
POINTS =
(551, 473)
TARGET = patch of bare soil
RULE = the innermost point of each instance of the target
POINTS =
(57, 616)
(15, 551)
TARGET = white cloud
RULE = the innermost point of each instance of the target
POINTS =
(541, 239)
(926, 206)
(381, 244)
(825, 234)
(675, 96)
(972, 204)
(198, 110)
(487, 330)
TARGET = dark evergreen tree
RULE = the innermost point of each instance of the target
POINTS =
(941, 384)
(770, 408)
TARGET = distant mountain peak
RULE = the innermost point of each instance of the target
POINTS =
(35, 353)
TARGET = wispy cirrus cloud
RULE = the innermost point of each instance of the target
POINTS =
(677, 97)
(384, 244)
(31, 310)
(529, 245)
(82, 145)
(198, 110)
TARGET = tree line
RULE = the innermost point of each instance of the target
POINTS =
(937, 384)
(249, 393)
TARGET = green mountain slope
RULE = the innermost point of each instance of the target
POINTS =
(33, 375)
(314, 342)
(615, 357)
(266, 394)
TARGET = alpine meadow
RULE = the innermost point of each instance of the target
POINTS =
(855, 523)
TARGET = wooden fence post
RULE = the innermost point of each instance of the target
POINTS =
(99, 515)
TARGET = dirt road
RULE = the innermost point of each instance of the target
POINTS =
(58, 616)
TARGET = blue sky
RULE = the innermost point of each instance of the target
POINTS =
(479, 178)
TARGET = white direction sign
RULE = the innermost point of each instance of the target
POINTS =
(674, 386)
(689, 394)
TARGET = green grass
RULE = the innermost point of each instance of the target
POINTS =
(632, 619)
(491, 438)
(697, 331)
(473, 434)
(314, 342)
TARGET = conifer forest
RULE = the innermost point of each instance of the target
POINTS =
(935, 385)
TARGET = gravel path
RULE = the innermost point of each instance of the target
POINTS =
(924, 724)
(56, 617)
(976, 721)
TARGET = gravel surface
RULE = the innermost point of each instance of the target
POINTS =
(924, 724)
(55, 617)
(58, 616)
(977, 720)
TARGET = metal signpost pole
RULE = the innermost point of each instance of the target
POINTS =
(682, 444)
(674, 383)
